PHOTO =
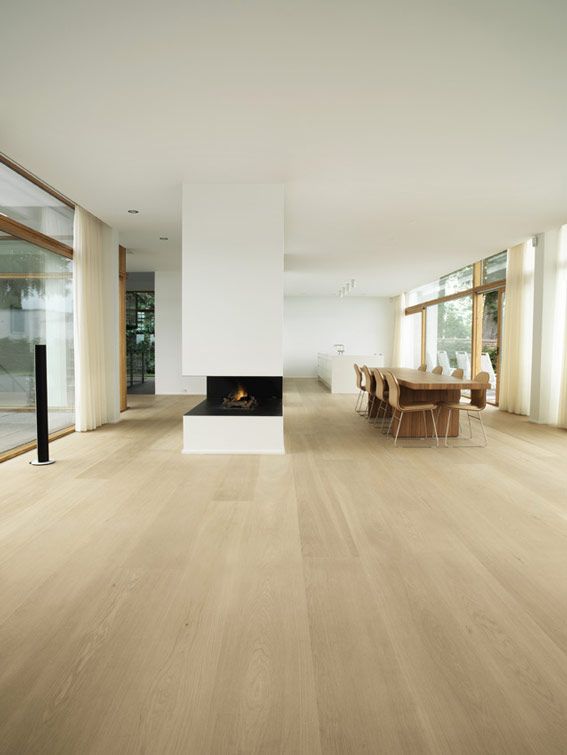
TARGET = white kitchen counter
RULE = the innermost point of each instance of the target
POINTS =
(337, 371)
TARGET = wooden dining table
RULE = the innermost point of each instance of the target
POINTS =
(417, 387)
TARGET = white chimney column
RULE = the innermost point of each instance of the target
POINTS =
(232, 303)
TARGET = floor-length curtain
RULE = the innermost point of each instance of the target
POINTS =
(558, 398)
(93, 383)
(515, 371)
(398, 344)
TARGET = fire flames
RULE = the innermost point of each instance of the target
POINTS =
(239, 394)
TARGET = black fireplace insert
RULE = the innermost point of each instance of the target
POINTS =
(241, 397)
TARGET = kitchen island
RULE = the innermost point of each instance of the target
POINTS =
(336, 371)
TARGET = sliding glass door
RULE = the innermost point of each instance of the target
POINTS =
(36, 307)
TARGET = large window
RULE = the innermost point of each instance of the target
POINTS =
(32, 206)
(460, 320)
(494, 268)
(36, 306)
(449, 335)
(447, 285)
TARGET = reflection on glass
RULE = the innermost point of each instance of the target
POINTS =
(494, 268)
(25, 202)
(449, 335)
(460, 280)
(36, 306)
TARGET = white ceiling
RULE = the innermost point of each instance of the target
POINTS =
(412, 137)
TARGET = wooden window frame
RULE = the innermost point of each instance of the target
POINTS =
(35, 180)
(476, 294)
(22, 232)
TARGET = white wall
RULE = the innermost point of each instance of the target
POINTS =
(169, 378)
(232, 263)
(313, 324)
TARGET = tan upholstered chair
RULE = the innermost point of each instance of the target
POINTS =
(473, 408)
(437, 370)
(381, 392)
(361, 389)
(398, 409)
(458, 373)
(370, 384)
(422, 367)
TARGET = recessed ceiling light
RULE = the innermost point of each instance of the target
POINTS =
(133, 212)
(163, 238)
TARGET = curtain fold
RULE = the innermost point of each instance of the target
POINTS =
(94, 381)
(399, 340)
(515, 371)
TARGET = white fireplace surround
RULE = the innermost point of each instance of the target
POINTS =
(232, 435)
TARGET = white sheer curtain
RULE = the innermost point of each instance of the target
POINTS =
(400, 329)
(95, 367)
(515, 371)
(555, 384)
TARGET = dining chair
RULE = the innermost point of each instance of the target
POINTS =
(473, 408)
(381, 393)
(437, 370)
(422, 367)
(361, 388)
(458, 373)
(399, 409)
(370, 383)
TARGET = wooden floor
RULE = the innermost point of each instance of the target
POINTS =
(346, 598)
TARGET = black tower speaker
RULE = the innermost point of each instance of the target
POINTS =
(41, 407)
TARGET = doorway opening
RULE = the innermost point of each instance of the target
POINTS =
(140, 340)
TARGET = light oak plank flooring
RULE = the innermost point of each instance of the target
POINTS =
(348, 597)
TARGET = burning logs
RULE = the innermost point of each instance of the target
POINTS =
(240, 399)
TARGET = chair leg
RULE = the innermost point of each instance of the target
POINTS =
(387, 426)
(371, 401)
(398, 428)
(358, 401)
(482, 428)
(470, 425)
(377, 415)
(449, 415)
(425, 436)
(434, 428)
(389, 430)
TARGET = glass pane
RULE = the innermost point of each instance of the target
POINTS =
(140, 341)
(460, 280)
(36, 307)
(494, 268)
(25, 202)
(489, 353)
(413, 331)
(449, 335)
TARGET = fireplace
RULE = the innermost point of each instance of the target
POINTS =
(241, 396)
